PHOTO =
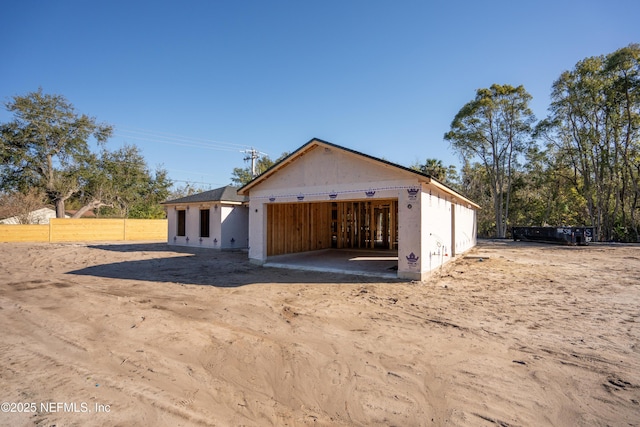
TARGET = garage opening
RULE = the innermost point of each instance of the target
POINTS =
(301, 227)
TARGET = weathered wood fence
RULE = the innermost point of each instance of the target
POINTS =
(86, 230)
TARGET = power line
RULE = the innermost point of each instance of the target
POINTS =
(179, 138)
(156, 136)
(174, 139)
(196, 182)
(191, 172)
(181, 142)
(170, 142)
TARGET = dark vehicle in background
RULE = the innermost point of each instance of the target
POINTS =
(562, 235)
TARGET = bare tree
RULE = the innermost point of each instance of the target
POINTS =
(22, 205)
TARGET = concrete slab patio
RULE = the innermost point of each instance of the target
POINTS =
(372, 263)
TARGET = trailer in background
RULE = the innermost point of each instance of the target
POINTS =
(562, 235)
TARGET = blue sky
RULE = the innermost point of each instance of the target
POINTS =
(192, 83)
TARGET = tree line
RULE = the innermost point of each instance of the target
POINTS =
(578, 166)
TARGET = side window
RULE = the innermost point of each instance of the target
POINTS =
(204, 222)
(182, 222)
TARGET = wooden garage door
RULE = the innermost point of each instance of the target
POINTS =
(298, 227)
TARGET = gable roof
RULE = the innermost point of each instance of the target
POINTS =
(316, 142)
(227, 193)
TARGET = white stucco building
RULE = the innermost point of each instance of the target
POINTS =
(215, 219)
(39, 216)
(326, 196)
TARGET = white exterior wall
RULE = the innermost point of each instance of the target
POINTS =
(425, 239)
(172, 224)
(226, 222)
(466, 228)
(410, 228)
(192, 225)
(257, 230)
(235, 229)
(215, 234)
(436, 236)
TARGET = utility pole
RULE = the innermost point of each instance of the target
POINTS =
(252, 155)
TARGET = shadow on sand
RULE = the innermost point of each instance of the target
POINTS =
(201, 266)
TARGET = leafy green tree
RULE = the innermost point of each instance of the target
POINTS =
(594, 127)
(46, 146)
(495, 128)
(543, 194)
(474, 183)
(242, 176)
(121, 184)
(436, 169)
(185, 190)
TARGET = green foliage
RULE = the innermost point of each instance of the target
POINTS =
(46, 146)
(126, 187)
(436, 169)
(543, 194)
(474, 184)
(594, 131)
(242, 176)
(587, 170)
(184, 190)
(495, 128)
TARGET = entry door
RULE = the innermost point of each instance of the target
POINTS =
(381, 216)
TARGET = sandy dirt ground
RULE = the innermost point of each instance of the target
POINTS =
(511, 334)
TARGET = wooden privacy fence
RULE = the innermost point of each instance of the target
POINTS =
(86, 230)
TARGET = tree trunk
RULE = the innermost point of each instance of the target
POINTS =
(60, 211)
(59, 200)
(94, 204)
